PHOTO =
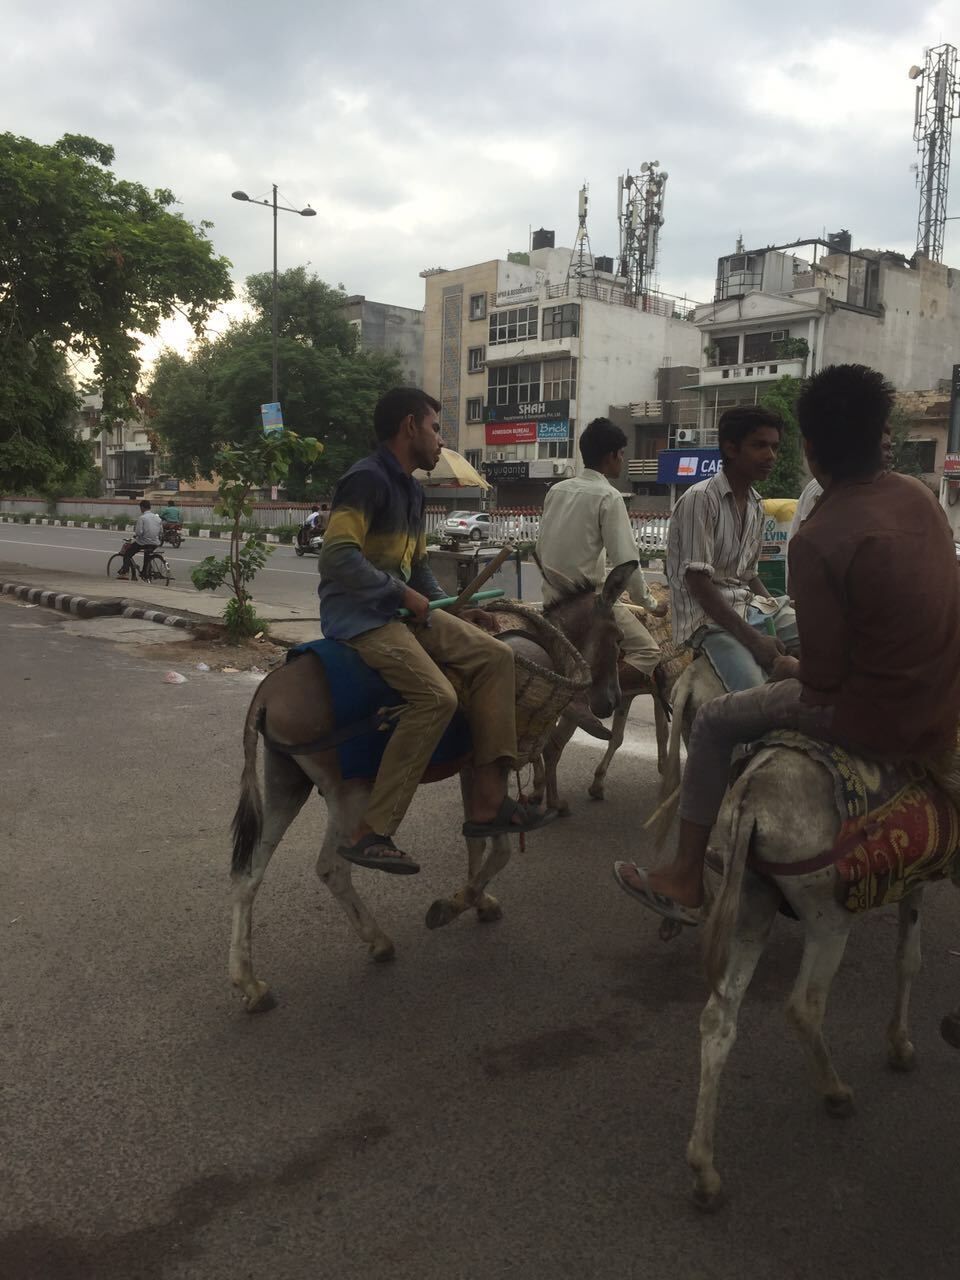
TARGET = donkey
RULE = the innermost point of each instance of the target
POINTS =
(780, 810)
(293, 703)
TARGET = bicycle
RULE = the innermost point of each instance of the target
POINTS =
(155, 567)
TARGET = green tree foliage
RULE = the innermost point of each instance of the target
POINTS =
(262, 462)
(87, 261)
(328, 388)
(787, 477)
(904, 451)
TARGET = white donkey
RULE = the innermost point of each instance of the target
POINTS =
(781, 810)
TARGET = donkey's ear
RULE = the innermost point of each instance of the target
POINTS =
(617, 580)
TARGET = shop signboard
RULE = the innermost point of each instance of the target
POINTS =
(554, 429)
(497, 472)
(687, 466)
(500, 433)
(526, 410)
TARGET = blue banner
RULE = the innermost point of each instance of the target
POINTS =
(687, 466)
(554, 429)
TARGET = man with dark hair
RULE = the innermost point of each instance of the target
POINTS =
(719, 605)
(878, 602)
(373, 563)
(585, 529)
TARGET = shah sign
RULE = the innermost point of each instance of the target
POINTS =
(687, 466)
(511, 433)
(524, 411)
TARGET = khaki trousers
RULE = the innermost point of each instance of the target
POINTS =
(638, 647)
(407, 656)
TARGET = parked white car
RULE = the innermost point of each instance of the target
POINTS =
(475, 525)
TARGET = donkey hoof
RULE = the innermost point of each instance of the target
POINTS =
(490, 913)
(383, 951)
(709, 1201)
(440, 913)
(950, 1029)
(262, 1002)
(839, 1105)
(902, 1057)
(595, 792)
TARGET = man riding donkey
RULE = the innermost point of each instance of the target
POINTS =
(874, 577)
(373, 563)
(584, 528)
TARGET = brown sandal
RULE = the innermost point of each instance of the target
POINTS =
(379, 853)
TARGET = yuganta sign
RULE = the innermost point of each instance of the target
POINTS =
(687, 466)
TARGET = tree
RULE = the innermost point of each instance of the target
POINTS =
(264, 461)
(328, 388)
(904, 456)
(87, 261)
(787, 478)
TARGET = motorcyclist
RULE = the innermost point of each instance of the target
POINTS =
(313, 525)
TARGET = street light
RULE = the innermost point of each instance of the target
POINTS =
(304, 213)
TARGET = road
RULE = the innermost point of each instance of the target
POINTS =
(508, 1100)
(286, 579)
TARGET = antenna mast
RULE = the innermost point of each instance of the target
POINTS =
(640, 206)
(581, 259)
(937, 106)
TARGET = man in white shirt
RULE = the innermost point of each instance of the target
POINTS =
(147, 535)
(584, 529)
(719, 604)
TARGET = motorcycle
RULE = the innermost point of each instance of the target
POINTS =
(171, 533)
(308, 541)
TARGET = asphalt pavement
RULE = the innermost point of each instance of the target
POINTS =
(287, 580)
(505, 1100)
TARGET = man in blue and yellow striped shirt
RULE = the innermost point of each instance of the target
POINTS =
(373, 563)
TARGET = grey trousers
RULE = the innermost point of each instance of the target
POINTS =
(725, 722)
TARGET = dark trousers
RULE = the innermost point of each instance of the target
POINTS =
(131, 551)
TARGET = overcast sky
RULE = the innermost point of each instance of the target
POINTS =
(435, 134)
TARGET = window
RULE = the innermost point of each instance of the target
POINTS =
(516, 325)
(474, 457)
(513, 383)
(475, 409)
(555, 449)
(761, 346)
(561, 322)
(560, 378)
(921, 453)
(475, 357)
(478, 306)
(725, 350)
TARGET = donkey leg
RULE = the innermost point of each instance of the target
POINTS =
(662, 725)
(551, 759)
(614, 745)
(822, 952)
(901, 1053)
(718, 1032)
(480, 871)
(344, 810)
(285, 788)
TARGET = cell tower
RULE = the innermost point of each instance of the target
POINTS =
(640, 214)
(581, 259)
(938, 105)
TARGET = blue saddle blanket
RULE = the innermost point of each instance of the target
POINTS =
(357, 692)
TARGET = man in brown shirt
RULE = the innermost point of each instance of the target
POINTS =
(874, 575)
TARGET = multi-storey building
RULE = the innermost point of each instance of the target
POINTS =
(524, 352)
(381, 326)
(796, 308)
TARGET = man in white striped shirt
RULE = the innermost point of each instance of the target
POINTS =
(719, 605)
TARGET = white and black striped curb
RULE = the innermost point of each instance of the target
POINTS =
(80, 606)
(154, 615)
(86, 524)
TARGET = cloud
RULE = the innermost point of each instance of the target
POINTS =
(436, 134)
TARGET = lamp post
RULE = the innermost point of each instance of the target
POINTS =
(304, 213)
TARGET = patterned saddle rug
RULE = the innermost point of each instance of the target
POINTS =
(361, 701)
(898, 827)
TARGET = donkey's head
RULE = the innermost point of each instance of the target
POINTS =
(586, 618)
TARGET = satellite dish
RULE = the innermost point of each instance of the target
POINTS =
(915, 72)
(644, 167)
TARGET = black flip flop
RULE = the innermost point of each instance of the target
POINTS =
(503, 824)
(364, 854)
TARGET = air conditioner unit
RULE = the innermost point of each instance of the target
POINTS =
(561, 468)
(686, 435)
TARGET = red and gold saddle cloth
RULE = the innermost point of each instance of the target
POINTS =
(897, 826)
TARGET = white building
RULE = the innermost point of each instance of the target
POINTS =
(125, 454)
(522, 356)
(795, 308)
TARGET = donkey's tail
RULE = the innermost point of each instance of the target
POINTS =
(248, 819)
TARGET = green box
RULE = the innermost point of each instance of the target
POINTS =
(773, 575)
